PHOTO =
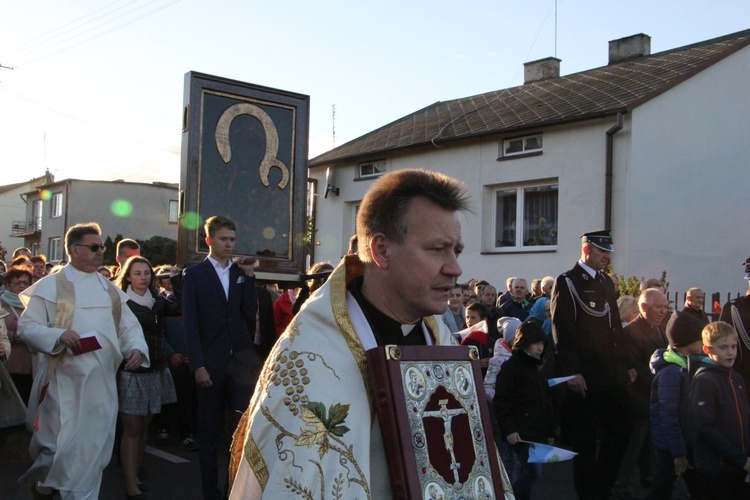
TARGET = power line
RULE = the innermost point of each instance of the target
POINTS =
(29, 43)
(115, 28)
(91, 125)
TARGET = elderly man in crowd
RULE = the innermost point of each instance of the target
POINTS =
(519, 306)
(694, 300)
(643, 336)
(77, 320)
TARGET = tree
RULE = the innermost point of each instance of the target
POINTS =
(3, 251)
(109, 253)
(159, 250)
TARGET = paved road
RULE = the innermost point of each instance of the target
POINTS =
(174, 473)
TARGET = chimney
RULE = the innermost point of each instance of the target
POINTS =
(628, 48)
(541, 69)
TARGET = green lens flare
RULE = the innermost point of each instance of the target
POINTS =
(121, 208)
(191, 220)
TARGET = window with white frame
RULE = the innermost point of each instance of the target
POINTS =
(56, 209)
(173, 211)
(371, 169)
(525, 216)
(522, 145)
(36, 248)
(55, 249)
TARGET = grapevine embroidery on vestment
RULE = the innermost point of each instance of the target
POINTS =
(323, 427)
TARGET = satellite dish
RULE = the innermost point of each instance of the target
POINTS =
(328, 182)
(329, 185)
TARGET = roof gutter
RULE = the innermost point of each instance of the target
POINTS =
(609, 167)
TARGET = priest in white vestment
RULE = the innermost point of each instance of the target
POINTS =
(74, 424)
(311, 429)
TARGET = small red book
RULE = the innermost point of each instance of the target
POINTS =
(88, 344)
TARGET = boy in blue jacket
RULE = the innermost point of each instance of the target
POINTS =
(721, 416)
(671, 430)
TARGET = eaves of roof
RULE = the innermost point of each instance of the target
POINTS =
(580, 96)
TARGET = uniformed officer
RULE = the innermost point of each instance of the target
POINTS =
(737, 313)
(589, 340)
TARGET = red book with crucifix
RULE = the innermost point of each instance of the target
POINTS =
(435, 422)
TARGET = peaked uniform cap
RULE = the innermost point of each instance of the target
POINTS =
(600, 239)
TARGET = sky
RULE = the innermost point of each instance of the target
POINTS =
(96, 89)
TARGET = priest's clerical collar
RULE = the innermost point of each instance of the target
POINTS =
(386, 329)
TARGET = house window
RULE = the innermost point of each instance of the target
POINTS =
(173, 211)
(371, 169)
(55, 249)
(56, 210)
(522, 145)
(35, 248)
(526, 216)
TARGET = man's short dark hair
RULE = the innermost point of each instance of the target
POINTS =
(75, 234)
(480, 308)
(216, 223)
(383, 209)
(126, 243)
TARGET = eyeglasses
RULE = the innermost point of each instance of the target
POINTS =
(94, 247)
(22, 283)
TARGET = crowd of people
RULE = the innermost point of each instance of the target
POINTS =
(620, 412)
(99, 354)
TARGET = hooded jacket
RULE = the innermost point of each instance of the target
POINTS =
(719, 407)
(671, 429)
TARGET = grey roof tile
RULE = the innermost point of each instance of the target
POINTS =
(588, 94)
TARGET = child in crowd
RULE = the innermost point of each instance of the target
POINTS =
(523, 407)
(719, 407)
(476, 313)
(507, 327)
(671, 430)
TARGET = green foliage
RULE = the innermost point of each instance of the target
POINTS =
(632, 285)
(308, 240)
(629, 286)
(109, 253)
(159, 250)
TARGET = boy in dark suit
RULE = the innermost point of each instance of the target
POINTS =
(219, 303)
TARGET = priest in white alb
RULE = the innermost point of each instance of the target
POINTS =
(78, 321)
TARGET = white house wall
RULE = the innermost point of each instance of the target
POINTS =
(574, 155)
(687, 182)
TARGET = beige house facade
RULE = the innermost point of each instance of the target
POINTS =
(134, 210)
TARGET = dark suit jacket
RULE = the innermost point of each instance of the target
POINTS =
(588, 344)
(267, 323)
(214, 326)
(643, 340)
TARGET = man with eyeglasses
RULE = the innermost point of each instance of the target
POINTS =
(73, 404)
